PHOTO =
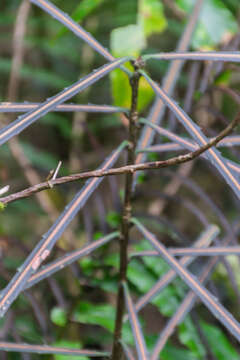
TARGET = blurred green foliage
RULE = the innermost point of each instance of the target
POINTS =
(53, 60)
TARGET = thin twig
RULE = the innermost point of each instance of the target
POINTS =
(45, 245)
(124, 169)
(212, 251)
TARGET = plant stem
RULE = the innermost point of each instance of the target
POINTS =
(126, 216)
(125, 169)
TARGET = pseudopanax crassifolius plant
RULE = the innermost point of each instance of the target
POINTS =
(152, 252)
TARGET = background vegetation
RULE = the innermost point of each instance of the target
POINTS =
(75, 308)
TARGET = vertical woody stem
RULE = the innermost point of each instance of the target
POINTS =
(127, 212)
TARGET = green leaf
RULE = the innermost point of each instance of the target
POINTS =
(97, 235)
(113, 219)
(219, 343)
(71, 345)
(166, 301)
(141, 179)
(172, 353)
(97, 314)
(151, 16)
(130, 41)
(224, 78)
(83, 9)
(58, 316)
(88, 265)
(153, 156)
(100, 314)
(121, 90)
(146, 94)
(216, 23)
(189, 337)
(139, 276)
(169, 352)
(112, 260)
(127, 41)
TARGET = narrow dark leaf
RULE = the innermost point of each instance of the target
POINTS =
(187, 144)
(207, 298)
(232, 56)
(169, 81)
(204, 240)
(68, 259)
(8, 107)
(43, 248)
(44, 349)
(212, 154)
(136, 328)
(65, 19)
(180, 314)
(213, 251)
(24, 121)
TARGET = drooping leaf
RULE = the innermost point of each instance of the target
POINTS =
(128, 40)
(121, 90)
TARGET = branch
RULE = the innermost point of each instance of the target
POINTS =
(12, 107)
(122, 170)
(198, 55)
(45, 245)
(127, 213)
(45, 349)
